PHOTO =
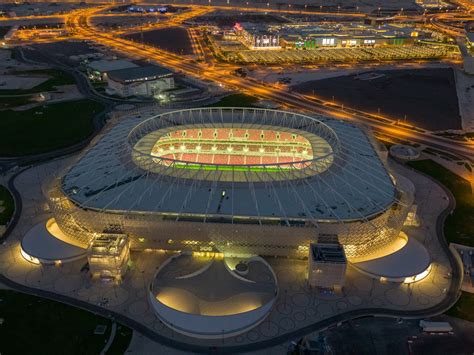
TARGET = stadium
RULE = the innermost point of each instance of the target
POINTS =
(221, 190)
(233, 181)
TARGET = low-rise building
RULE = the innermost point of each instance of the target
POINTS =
(140, 81)
(327, 265)
(108, 256)
(98, 69)
(316, 35)
(256, 36)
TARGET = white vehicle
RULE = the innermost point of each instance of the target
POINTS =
(435, 327)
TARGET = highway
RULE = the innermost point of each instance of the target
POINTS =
(79, 23)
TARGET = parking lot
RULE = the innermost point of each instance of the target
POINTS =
(375, 335)
(338, 54)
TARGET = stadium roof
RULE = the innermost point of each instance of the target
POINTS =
(151, 72)
(355, 187)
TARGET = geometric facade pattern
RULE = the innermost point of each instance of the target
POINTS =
(233, 180)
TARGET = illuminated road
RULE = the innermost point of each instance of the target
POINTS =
(223, 74)
(78, 23)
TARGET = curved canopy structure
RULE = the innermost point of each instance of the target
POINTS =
(213, 301)
(408, 264)
(44, 244)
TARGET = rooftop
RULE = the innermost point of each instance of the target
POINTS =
(214, 290)
(151, 72)
(355, 186)
(353, 30)
(411, 260)
(108, 244)
(46, 243)
(328, 253)
(111, 65)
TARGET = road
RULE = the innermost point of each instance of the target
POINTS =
(80, 23)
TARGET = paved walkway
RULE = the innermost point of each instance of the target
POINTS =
(298, 310)
(113, 331)
(465, 90)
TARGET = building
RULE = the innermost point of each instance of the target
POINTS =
(433, 4)
(256, 36)
(108, 256)
(214, 301)
(327, 265)
(233, 181)
(234, 185)
(141, 81)
(98, 69)
(319, 35)
(348, 35)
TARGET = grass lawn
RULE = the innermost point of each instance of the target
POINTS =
(57, 77)
(34, 325)
(123, 337)
(6, 201)
(459, 227)
(231, 168)
(10, 102)
(3, 31)
(464, 307)
(236, 100)
(46, 128)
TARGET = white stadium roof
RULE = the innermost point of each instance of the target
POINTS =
(355, 186)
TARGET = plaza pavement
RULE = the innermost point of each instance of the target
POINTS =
(298, 305)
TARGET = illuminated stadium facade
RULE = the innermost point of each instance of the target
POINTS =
(233, 181)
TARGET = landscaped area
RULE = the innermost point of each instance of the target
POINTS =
(236, 100)
(3, 31)
(39, 326)
(56, 78)
(46, 128)
(464, 307)
(459, 226)
(7, 205)
(10, 98)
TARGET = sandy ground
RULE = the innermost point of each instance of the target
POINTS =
(64, 93)
(302, 74)
(11, 82)
(405, 94)
(465, 89)
(7, 64)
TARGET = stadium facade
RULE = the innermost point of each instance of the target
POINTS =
(233, 181)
